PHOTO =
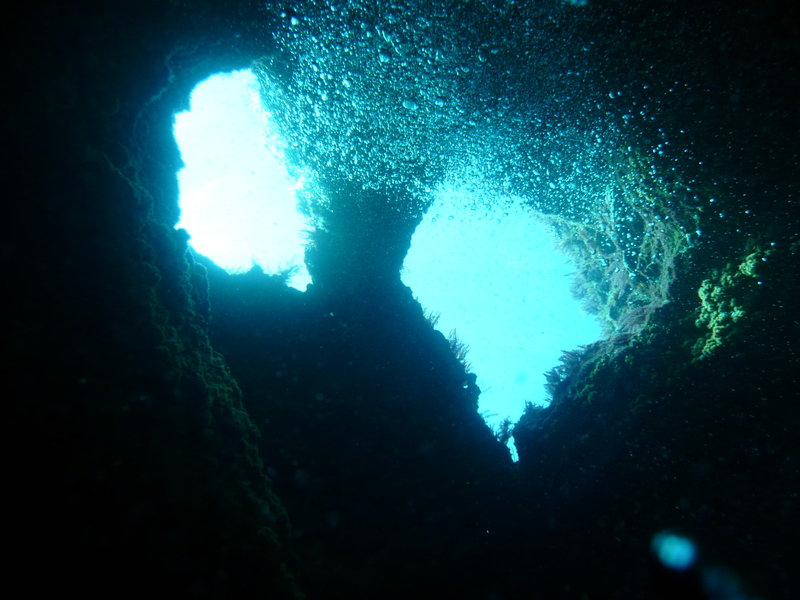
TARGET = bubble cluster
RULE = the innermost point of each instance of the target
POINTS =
(380, 104)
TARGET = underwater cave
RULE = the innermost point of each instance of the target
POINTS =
(483, 267)
(283, 405)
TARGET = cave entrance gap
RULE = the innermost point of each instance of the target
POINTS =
(237, 201)
(488, 268)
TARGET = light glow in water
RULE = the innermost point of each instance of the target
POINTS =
(236, 198)
(495, 278)
(491, 272)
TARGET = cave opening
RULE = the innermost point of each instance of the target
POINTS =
(482, 264)
(237, 201)
(488, 271)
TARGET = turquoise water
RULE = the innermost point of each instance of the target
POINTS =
(480, 259)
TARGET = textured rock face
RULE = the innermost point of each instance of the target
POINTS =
(161, 408)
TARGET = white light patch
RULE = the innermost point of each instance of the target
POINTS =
(496, 279)
(236, 198)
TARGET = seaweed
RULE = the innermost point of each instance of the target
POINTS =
(459, 349)
(626, 251)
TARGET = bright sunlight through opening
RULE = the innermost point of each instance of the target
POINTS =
(492, 273)
(236, 198)
(495, 278)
